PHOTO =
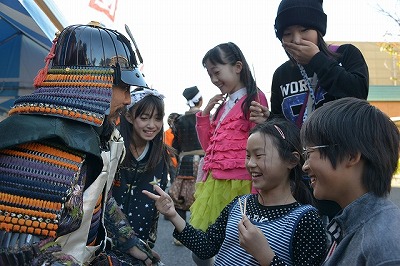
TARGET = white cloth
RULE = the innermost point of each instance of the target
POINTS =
(139, 93)
(194, 100)
(233, 99)
(74, 243)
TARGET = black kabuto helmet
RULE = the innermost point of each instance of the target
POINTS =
(81, 69)
(95, 46)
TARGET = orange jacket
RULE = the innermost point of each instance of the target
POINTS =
(168, 138)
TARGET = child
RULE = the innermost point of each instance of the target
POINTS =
(223, 137)
(351, 151)
(145, 163)
(274, 227)
(315, 72)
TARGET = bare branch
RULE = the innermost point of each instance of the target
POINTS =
(389, 14)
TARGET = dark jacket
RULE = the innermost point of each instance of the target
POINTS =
(132, 177)
(347, 77)
(186, 141)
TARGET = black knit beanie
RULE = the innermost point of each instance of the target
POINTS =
(307, 13)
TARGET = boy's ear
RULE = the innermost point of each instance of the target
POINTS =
(239, 66)
(294, 160)
(353, 159)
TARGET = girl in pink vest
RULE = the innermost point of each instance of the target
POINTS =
(223, 135)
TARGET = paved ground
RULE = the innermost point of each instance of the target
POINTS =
(171, 255)
(179, 255)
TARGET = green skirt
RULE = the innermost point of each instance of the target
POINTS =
(212, 196)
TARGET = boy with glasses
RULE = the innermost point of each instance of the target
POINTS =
(351, 153)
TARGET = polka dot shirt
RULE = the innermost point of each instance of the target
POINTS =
(309, 242)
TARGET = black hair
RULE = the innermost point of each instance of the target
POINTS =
(150, 104)
(351, 126)
(230, 53)
(172, 118)
(324, 47)
(286, 138)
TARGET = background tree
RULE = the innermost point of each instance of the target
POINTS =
(392, 44)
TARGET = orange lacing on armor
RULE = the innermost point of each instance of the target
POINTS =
(83, 78)
(40, 158)
(24, 201)
(46, 150)
(98, 204)
(27, 226)
(31, 213)
(59, 111)
(50, 150)
(75, 84)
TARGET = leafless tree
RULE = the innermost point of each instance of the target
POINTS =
(392, 47)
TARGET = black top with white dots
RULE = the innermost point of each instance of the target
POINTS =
(308, 243)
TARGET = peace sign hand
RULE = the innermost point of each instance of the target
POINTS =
(163, 201)
(165, 205)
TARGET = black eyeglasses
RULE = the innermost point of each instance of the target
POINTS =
(307, 150)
